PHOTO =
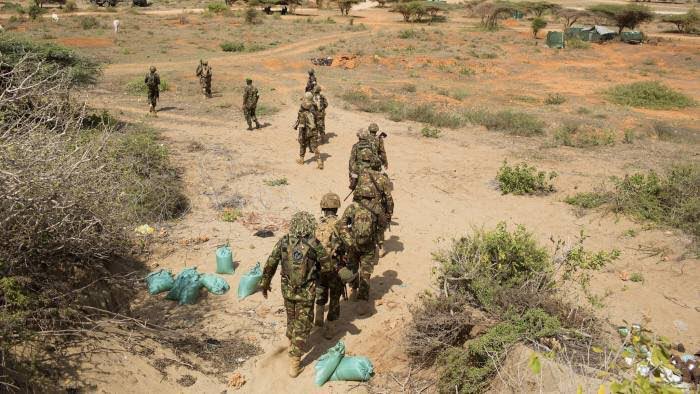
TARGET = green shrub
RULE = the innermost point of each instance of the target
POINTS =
(555, 99)
(459, 94)
(137, 86)
(12, 7)
(230, 214)
(653, 94)
(524, 179)
(490, 261)
(88, 22)
(579, 135)
(70, 6)
(537, 25)
(34, 11)
(431, 132)
(675, 133)
(217, 8)
(251, 15)
(588, 200)
(577, 43)
(409, 88)
(516, 123)
(230, 46)
(637, 277)
(276, 182)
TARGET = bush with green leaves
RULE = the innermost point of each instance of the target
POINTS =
(524, 179)
(671, 198)
(624, 16)
(431, 132)
(512, 122)
(251, 15)
(217, 8)
(230, 46)
(137, 86)
(88, 22)
(580, 135)
(685, 23)
(537, 25)
(649, 94)
(555, 99)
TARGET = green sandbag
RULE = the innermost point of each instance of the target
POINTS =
(224, 260)
(186, 287)
(159, 281)
(214, 283)
(326, 364)
(249, 282)
(355, 368)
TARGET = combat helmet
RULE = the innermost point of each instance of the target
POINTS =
(302, 224)
(248, 81)
(311, 71)
(308, 96)
(330, 201)
(363, 134)
(346, 275)
(373, 128)
(153, 69)
(205, 62)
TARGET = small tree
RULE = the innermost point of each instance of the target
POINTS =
(345, 6)
(685, 23)
(538, 8)
(491, 12)
(537, 25)
(624, 15)
(571, 16)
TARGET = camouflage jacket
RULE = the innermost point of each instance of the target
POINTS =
(307, 265)
(376, 187)
(345, 223)
(355, 165)
(250, 96)
(327, 233)
(320, 103)
(381, 151)
(152, 80)
(305, 123)
(311, 83)
(204, 72)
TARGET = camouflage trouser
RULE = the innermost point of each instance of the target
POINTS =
(329, 290)
(205, 83)
(249, 114)
(307, 140)
(299, 323)
(153, 96)
(320, 119)
(364, 258)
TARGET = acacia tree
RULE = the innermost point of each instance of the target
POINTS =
(624, 16)
(571, 16)
(685, 23)
(538, 8)
(537, 25)
(491, 12)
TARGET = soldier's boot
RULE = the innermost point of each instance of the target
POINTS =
(362, 307)
(250, 126)
(300, 160)
(329, 329)
(295, 367)
(318, 319)
(319, 161)
(151, 109)
(257, 125)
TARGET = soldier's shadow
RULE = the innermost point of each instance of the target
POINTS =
(393, 244)
(330, 136)
(379, 286)
(166, 109)
(324, 157)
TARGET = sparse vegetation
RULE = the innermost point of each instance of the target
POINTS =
(523, 179)
(512, 122)
(579, 135)
(230, 46)
(576, 43)
(276, 182)
(251, 15)
(230, 214)
(88, 22)
(671, 199)
(685, 23)
(137, 86)
(637, 277)
(555, 99)
(537, 25)
(217, 8)
(624, 16)
(652, 94)
(431, 132)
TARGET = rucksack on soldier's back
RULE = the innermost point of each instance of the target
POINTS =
(363, 226)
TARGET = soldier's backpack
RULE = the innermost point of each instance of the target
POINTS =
(298, 266)
(324, 233)
(363, 226)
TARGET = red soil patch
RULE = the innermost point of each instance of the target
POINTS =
(86, 42)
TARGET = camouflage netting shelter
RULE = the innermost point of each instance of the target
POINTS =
(590, 33)
(632, 37)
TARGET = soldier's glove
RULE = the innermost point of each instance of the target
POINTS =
(265, 289)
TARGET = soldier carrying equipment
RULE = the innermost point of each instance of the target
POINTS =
(250, 103)
(320, 105)
(204, 73)
(300, 254)
(308, 133)
(311, 83)
(355, 164)
(152, 82)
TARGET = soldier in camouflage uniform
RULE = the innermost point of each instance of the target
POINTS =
(355, 165)
(204, 74)
(374, 189)
(152, 82)
(320, 105)
(311, 83)
(379, 141)
(300, 255)
(330, 285)
(250, 103)
(308, 133)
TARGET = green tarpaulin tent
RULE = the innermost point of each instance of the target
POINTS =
(555, 39)
(632, 37)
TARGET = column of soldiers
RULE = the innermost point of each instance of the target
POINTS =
(319, 259)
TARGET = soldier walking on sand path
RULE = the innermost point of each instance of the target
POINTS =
(204, 74)
(250, 104)
(300, 254)
(152, 82)
(308, 133)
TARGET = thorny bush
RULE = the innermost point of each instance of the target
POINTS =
(73, 185)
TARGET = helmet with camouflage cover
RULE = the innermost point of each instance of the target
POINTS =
(302, 224)
(306, 104)
(308, 96)
(346, 275)
(363, 134)
(205, 62)
(330, 201)
(311, 71)
(153, 69)
(373, 128)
